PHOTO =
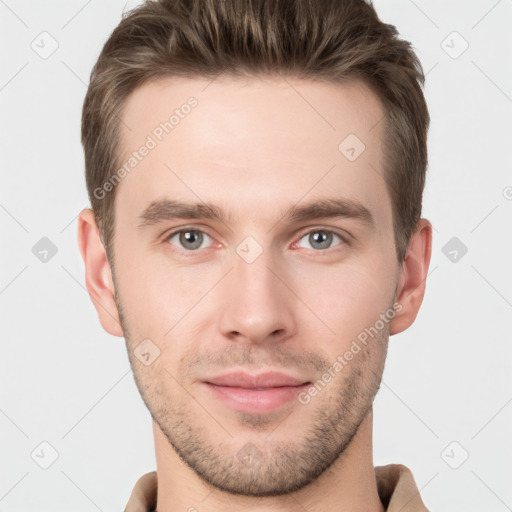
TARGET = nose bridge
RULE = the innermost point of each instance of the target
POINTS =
(255, 301)
(254, 270)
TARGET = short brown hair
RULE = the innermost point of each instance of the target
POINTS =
(331, 40)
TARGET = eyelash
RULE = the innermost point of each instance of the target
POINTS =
(315, 230)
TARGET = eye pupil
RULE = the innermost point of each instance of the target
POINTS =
(187, 237)
(321, 237)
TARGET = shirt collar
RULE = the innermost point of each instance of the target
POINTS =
(395, 484)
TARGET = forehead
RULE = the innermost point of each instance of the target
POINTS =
(231, 106)
(265, 142)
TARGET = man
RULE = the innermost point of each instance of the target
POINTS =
(256, 171)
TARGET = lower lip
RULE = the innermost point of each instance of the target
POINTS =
(256, 401)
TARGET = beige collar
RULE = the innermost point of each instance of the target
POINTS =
(395, 483)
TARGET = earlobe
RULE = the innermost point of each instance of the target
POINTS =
(98, 276)
(413, 276)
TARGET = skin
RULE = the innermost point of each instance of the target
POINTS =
(255, 147)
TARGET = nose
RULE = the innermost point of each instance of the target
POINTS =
(257, 306)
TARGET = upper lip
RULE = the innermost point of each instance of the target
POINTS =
(263, 380)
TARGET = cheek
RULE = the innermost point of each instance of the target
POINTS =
(158, 298)
(344, 299)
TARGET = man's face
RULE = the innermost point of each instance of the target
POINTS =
(259, 290)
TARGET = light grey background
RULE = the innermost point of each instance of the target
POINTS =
(446, 390)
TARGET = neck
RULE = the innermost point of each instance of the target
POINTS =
(349, 484)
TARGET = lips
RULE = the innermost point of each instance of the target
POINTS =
(255, 394)
(263, 381)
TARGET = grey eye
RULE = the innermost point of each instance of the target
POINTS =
(321, 239)
(190, 239)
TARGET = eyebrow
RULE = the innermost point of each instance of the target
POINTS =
(167, 209)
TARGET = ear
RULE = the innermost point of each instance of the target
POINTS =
(413, 276)
(98, 276)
